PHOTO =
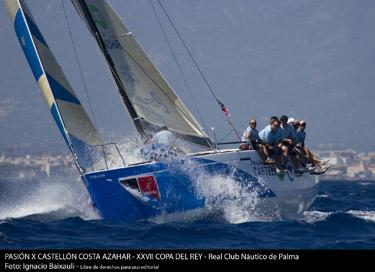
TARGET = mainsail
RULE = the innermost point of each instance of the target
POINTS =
(148, 97)
(73, 122)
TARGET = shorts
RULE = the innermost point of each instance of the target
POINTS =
(275, 151)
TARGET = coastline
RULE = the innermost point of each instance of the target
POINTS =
(345, 179)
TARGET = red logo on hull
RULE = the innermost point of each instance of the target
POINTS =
(148, 186)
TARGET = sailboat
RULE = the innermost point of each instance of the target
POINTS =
(149, 189)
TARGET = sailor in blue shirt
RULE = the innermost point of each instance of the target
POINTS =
(272, 119)
(287, 130)
(270, 136)
(290, 154)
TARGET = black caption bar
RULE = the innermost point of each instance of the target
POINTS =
(121, 260)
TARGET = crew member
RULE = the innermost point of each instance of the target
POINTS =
(250, 135)
(162, 146)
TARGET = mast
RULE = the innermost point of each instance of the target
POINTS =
(149, 98)
(100, 41)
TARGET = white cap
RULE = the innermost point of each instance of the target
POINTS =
(291, 120)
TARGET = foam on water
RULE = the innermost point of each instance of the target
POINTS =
(54, 197)
(322, 196)
(312, 217)
(57, 197)
(225, 199)
(369, 216)
(130, 149)
(224, 196)
(317, 216)
(61, 197)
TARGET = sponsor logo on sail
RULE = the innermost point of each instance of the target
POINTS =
(98, 17)
(112, 44)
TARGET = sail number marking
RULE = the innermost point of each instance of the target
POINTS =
(264, 170)
(112, 44)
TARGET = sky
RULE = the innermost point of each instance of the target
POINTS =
(308, 59)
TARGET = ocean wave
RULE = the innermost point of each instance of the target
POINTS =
(58, 197)
(368, 216)
(225, 198)
(366, 183)
(3, 238)
(322, 196)
(312, 217)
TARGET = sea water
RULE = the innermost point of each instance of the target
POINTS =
(57, 212)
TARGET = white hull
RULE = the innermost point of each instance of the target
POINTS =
(294, 194)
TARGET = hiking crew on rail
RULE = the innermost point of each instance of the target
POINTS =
(282, 143)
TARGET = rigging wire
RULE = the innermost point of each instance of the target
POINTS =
(133, 57)
(222, 106)
(78, 63)
(188, 50)
(178, 64)
(226, 135)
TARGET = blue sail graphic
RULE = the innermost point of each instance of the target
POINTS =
(72, 120)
